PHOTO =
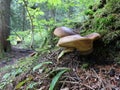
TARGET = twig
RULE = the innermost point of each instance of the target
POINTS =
(88, 86)
(77, 76)
(71, 82)
(77, 83)
(63, 83)
(101, 81)
(72, 78)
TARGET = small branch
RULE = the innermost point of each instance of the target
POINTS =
(101, 81)
(77, 83)
(69, 82)
(32, 26)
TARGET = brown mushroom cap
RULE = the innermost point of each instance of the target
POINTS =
(93, 36)
(82, 44)
(63, 31)
(76, 41)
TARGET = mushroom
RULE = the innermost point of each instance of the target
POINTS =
(76, 41)
(71, 40)
(82, 44)
(63, 31)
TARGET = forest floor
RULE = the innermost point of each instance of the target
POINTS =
(89, 74)
(84, 75)
(14, 55)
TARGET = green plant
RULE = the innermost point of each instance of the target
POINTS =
(111, 37)
(56, 78)
(41, 64)
(31, 86)
(89, 12)
(85, 65)
(20, 84)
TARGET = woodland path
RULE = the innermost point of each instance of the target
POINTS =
(14, 55)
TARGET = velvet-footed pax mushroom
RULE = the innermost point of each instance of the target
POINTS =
(63, 31)
(82, 44)
(74, 41)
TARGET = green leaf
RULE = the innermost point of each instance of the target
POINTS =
(57, 70)
(2, 85)
(41, 64)
(6, 75)
(54, 2)
(23, 82)
(31, 85)
(20, 84)
(55, 79)
(17, 72)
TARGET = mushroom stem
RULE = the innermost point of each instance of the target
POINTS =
(66, 50)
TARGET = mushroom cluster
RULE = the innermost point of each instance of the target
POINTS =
(71, 40)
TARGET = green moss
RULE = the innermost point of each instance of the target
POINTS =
(89, 12)
(95, 7)
(106, 17)
(103, 23)
(106, 21)
(111, 37)
(112, 6)
(86, 32)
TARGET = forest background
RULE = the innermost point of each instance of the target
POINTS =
(29, 24)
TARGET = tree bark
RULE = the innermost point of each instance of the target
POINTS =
(4, 26)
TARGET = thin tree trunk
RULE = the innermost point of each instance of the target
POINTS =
(4, 26)
(24, 18)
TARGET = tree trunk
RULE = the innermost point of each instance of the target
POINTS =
(4, 26)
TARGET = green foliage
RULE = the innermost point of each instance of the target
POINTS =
(112, 6)
(111, 37)
(8, 77)
(12, 74)
(31, 85)
(17, 72)
(40, 65)
(85, 65)
(102, 23)
(54, 2)
(12, 71)
(2, 85)
(13, 39)
(89, 12)
(102, 32)
(105, 21)
(56, 70)
(30, 22)
(56, 78)
(20, 84)
(117, 58)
